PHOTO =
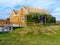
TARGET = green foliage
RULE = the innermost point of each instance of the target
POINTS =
(8, 18)
(35, 17)
(50, 19)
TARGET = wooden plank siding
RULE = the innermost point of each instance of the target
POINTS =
(18, 18)
(4, 22)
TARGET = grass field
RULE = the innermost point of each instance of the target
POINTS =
(32, 35)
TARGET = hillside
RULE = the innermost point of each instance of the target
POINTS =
(32, 35)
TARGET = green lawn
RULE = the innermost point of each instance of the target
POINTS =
(32, 35)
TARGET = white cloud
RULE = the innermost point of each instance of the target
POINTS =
(57, 9)
(40, 3)
(56, 12)
(53, 6)
(6, 7)
(10, 3)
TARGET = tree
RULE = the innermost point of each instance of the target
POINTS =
(8, 18)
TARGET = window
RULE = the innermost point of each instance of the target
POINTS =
(22, 18)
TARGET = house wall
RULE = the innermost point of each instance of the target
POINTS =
(4, 22)
(19, 19)
(14, 19)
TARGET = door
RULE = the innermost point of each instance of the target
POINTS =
(43, 19)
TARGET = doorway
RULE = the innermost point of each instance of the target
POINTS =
(43, 19)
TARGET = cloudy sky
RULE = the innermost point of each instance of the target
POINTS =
(52, 6)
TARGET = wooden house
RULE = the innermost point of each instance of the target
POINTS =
(4, 22)
(18, 17)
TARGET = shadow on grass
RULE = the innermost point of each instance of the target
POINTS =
(3, 32)
(14, 28)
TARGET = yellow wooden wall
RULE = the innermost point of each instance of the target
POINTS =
(19, 19)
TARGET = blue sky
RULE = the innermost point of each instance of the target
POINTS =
(52, 6)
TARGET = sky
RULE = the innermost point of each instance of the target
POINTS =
(52, 6)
